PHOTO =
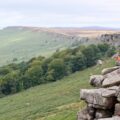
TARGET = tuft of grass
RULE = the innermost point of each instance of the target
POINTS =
(54, 101)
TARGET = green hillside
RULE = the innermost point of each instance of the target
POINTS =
(24, 43)
(54, 101)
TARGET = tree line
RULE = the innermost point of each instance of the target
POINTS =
(40, 70)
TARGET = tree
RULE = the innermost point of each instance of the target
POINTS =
(78, 62)
(10, 82)
(103, 48)
(57, 69)
(35, 74)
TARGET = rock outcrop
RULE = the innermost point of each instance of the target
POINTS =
(103, 102)
(113, 39)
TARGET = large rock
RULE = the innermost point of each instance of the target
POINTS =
(111, 91)
(112, 79)
(109, 70)
(99, 98)
(113, 118)
(96, 80)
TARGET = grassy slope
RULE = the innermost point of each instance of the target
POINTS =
(25, 43)
(54, 101)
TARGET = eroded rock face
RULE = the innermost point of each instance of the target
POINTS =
(102, 103)
(113, 39)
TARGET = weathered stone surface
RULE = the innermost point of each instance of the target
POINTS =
(112, 79)
(113, 118)
(118, 95)
(84, 115)
(108, 70)
(117, 109)
(110, 91)
(103, 113)
(96, 80)
(99, 98)
(116, 88)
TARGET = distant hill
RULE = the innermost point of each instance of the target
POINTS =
(19, 43)
(26, 42)
(100, 28)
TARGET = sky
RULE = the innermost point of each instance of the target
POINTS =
(60, 13)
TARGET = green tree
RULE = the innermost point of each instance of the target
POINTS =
(90, 55)
(78, 62)
(103, 48)
(35, 74)
(57, 69)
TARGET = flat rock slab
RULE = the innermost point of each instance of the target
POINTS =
(108, 70)
(112, 79)
(99, 98)
(113, 118)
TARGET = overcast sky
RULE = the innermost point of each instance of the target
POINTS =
(60, 13)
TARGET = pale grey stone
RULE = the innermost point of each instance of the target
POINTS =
(117, 109)
(113, 118)
(108, 70)
(112, 79)
(99, 98)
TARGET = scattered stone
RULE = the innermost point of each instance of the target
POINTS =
(27, 104)
(99, 62)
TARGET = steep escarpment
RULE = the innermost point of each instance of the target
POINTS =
(103, 102)
(113, 39)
